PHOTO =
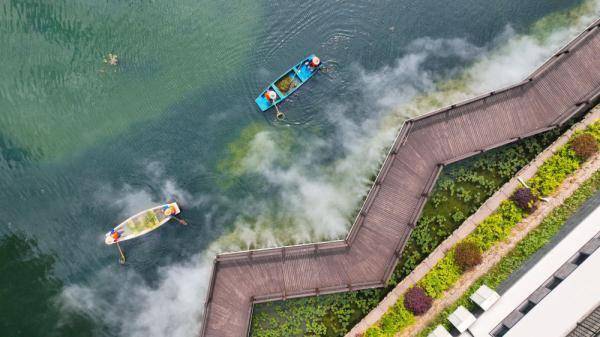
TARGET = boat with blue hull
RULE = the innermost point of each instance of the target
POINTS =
(287, 83)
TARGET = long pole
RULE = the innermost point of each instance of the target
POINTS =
(121, 255)
(280, 114)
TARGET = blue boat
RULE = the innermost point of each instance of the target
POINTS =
(287, 83)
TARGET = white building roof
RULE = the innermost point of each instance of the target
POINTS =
(484, 297)
(461, 318)
(559, 312)
(439, 331)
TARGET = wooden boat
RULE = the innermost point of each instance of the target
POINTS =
(142, 223)
(287, 83)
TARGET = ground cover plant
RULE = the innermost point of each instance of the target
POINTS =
(460, 190)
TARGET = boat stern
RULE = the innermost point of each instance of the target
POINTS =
(108, 239)
(304, 72)
(262, 102)
(175, 207)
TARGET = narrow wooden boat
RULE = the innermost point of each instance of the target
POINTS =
(142, 223)
(287, 83)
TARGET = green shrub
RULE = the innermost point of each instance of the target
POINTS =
(594, 130)
(584, 146)
(441, 277)
(467, 255)
(395, 319)
(497, 226)
(374, 331)
(554, 171)
(325, 315)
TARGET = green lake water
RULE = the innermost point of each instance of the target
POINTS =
(84, 144)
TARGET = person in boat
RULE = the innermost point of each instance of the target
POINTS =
(314, 63)
(169, 210)
(115, 234)
(271, 96)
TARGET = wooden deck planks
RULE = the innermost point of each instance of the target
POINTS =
(478, 124)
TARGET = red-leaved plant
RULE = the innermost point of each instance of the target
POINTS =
(417, 301)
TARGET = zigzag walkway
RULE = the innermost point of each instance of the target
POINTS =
(566, 85)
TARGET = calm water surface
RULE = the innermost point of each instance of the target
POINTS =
(84, 144)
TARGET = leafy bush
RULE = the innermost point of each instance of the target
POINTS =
(525, 199)
(497, 226)
(441, 277)
(417, 301)
(395, 319)
(554, 171)
(467, 255)
(584, 146)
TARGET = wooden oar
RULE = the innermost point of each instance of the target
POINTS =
(181, 221)
(121, 255)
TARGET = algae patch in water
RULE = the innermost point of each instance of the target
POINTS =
(256, 145)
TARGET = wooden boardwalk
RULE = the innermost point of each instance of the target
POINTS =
(566, 85)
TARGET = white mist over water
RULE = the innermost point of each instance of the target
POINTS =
(318, 199)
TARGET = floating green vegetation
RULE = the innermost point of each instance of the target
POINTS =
(256, 148)
(232, 164)
(542, 28)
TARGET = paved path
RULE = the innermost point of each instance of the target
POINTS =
(566, 85)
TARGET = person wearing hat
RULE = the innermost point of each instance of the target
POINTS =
(115, 234)
(169, 210)
(270, 95)
(314, 63)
